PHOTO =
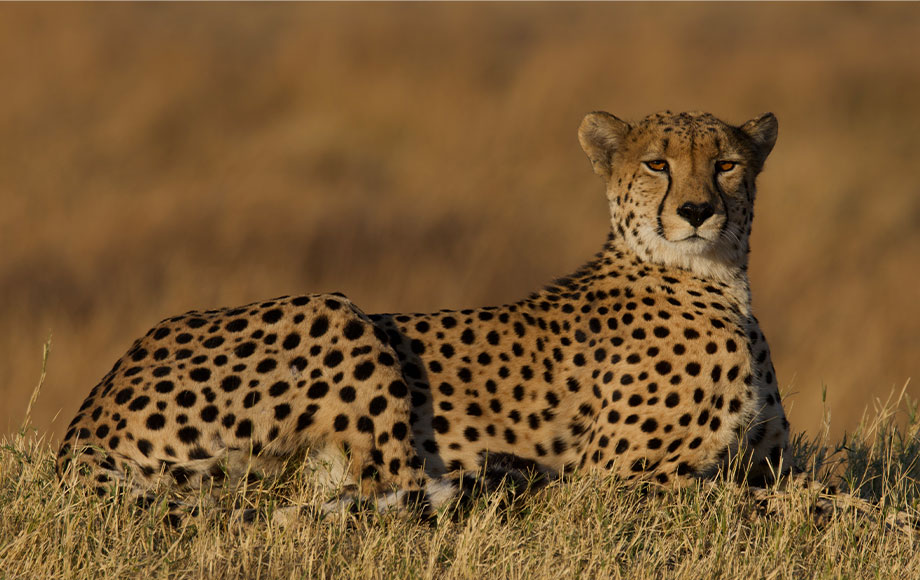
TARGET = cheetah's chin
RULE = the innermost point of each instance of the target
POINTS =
(696, 243)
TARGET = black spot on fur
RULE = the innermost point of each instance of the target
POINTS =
(188, 434)
(377, 406)
(237, 325)
(155, 422)
(364, 370)
(139, 403)
(245, 350)
(272, 316)
(353, 330)
(186, 398)
(266, 365)
(291, 341)
(251, 399)
(318, 390)
(365, 424)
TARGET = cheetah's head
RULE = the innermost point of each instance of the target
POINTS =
(681, 186)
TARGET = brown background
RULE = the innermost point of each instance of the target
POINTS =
(155, 159)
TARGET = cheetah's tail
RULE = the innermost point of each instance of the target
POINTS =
(826, 501)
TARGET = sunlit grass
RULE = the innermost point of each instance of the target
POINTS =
(585, 526)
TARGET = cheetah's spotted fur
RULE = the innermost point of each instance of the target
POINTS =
(646, 362)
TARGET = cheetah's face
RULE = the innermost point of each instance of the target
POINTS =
(681, 187)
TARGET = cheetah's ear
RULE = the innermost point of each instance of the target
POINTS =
(762, 130)
(600, 134)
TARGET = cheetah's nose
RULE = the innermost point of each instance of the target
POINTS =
(696, 213)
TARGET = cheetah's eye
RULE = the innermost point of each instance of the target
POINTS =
(723, 166)
(657, 165)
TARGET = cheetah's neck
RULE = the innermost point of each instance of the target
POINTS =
(618, 266)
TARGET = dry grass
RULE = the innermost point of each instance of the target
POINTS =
(160, 158)
(586, 527)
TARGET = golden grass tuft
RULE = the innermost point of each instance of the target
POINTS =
(586, 525)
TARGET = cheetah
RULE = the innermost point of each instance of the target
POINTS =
(647, 362)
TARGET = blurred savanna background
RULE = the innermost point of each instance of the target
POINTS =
(161, 158)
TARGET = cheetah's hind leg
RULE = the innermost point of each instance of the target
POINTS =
(450, 494)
